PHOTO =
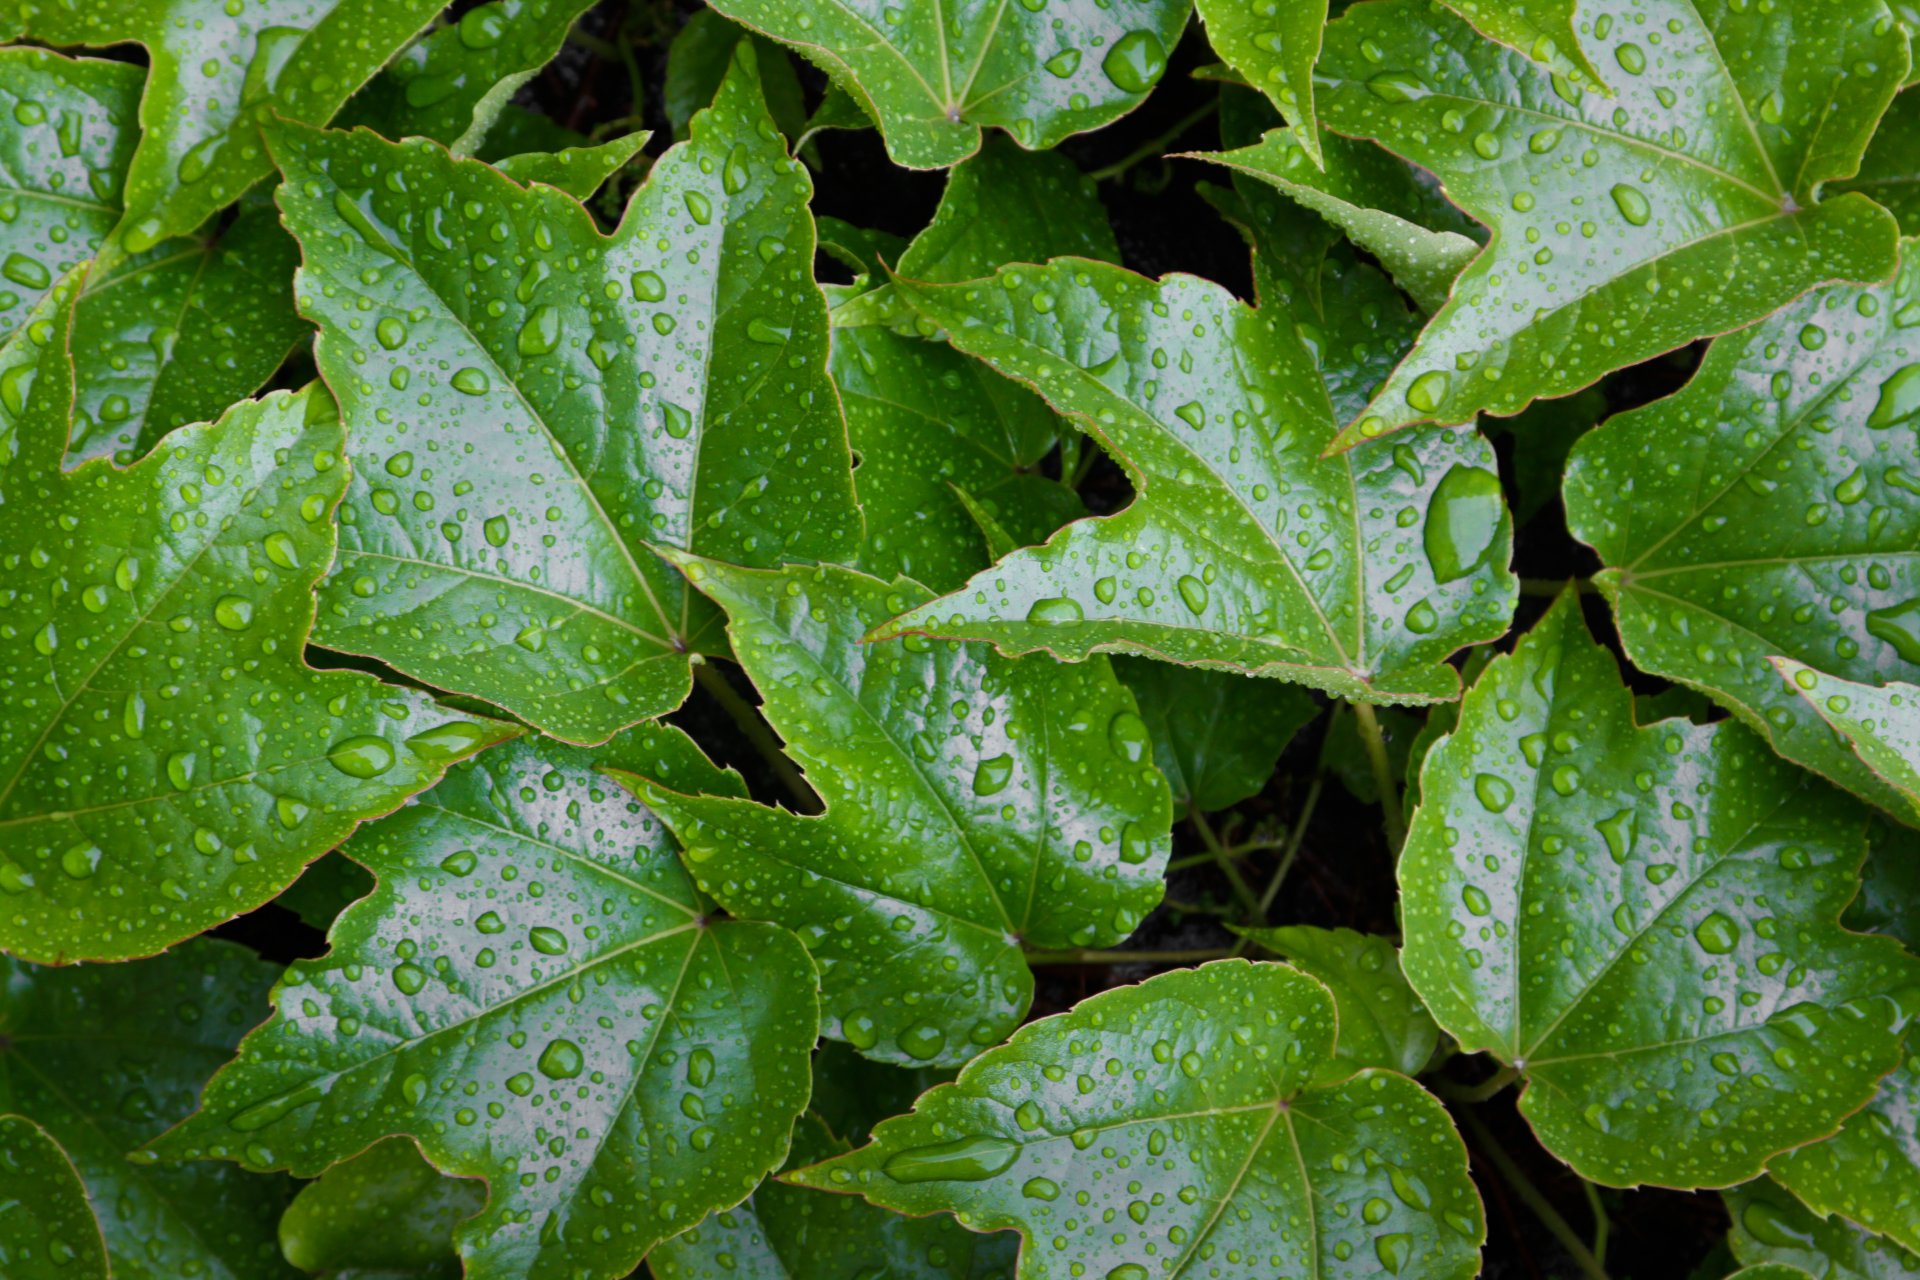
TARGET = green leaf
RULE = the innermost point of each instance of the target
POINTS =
(793, 1233)
(1881, 724)
(533, 403)
(213, 80)
(1889, 900)
(972, 805)
(440, 86)
(534, 951)
(1644, 921)
(1768, 509)
(578, 171)
(48, 1232)
(697, 62)
(1869, 1172)
(852, 1093)
(1177, 1122)
(1544, 30)
(1382, 204)
(1770, 1226)
(178, 333)
(325, 889)
(386, 1212)
(167, 758)
(63, 156)
(1890, 171)
(1274, 46)
(1243, 549)
(1543, 434)
(1382, 1023)
(1216, 736)
(1622, 227)
(932, 79)
(105, 1057)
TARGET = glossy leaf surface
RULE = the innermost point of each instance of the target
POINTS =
(70, 134)
(534, 951)
(1770, 1226)
(1644, 920)
(1683, 204)
(1244, 548)
(1382, 1022)
(797, 1233)
(578, 171)
(167, 758)
(973, 804)
(217, 73)
(386, 1212)
(1869, 1172)
(48, 1231)
(106, 1056)
(1890, 171)
(933, 76)
(1175, 1124)
(534, 403)
(1215, 735)
(1544, 30)
(178, 333)
(697, 62)
(1772, 507)
(1274, 45)
(1881, 724)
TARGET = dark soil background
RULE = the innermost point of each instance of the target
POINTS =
(1344, 874)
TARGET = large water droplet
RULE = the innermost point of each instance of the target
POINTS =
(1463, 521)
(1135, 62)
(363, 756)
(1717, 935)
(964, 1160)
(1899, 626)
(561, 1060)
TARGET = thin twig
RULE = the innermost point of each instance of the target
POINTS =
(1531, 1196)
(747, 719)
(1602, 1225)
(1156, 146)
(1389, 786)
(1224, 860)
(1127, 957)
(1470, 1093)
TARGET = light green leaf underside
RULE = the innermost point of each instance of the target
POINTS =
(1216, 736)
(1374, 198)
(932, 76)
(972, 804)
(1382, 1022)
(1622, 226)
(533, 944)
(167, 758)
(1644, 920)
(1772, 507)
(1882, 725)
(70, 133)
(384, 1212)
(1869, 1172)
(440, 86)
(1162, 1129)
(48, 1231)
(1274, 44)
(534, 403)
(178, 333)
(796, 1233)
(106, 1056)
(1244, 548)
(1770, 1226)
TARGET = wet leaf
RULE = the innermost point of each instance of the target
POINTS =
(1881, 724)
(933, 78)
(1544, 30)
(1382, 1022)
(1216, 736)
(1645, 922)
(215, 78)
(795, 1233)
(386, 1212)
(1243, 547)
(1624, 225)
(1772, 507)
(578, 171)
(697, 62)
(973, 804)
(167, 758)
(1869, 1172)
(1890, 171)
(534, 403)
(48, 1231)
(105, 1057)
(1181, 1116)
(534, 945)
(1771, 1227)
(70, 134)
(1274, 45)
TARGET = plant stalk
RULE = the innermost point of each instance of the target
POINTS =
(1223, 858)
(1157, 145)
(747, 719)
(1471, 1093)
(1531, 1196)
(1127, 957)
(1376, 745)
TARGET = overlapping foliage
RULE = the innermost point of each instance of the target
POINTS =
(750, 695)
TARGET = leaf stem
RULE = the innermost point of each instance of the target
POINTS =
(1292, 849)
(1127, 957)
(1552, 587)
(1223, 858)
(1531, 1196)
(1376, 745)
(747, 719)
(1602, 1225)
(1487, 1088)
(1156, 145)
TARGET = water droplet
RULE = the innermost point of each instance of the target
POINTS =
(1632, 204)
(541, 333)
(992, 775)
(1899, 626)
(1135, 62)
(235, 613)
(471, 381)
(1464, 519)
(1054, 609)
(548, 942)
(1041, 1189)
(964, 1160)
(1394, 1250)
(1717, 935)
(1193, 592)
(81, 860)
(923, 1042)
(363, 756)
(1631, 59)
(1064, 63)
(1899, 401)
(1429, 391)
(561, 1060)
(496, 530)
(1495, 792)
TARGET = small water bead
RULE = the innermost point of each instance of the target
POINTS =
(1717, 934)
(561, 1060)
(471, 381)
(992, 775)
(1632, 204)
